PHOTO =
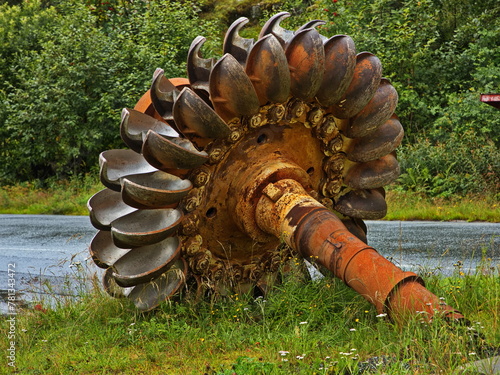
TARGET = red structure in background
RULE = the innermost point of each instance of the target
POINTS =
(491, 99)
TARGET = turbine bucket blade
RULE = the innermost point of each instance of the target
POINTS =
(234, 44)
(103, 251)
(380, 109)
(306, 60)
(176, 153)
(198, 68)
(231, 91)
(112, 288)
(192, 114)
(149, 295)
(363, 204)
(311, 25)
(154, 190)
(135, 125)
(373, 174)
(340, 61)
(145, 227)
(142, 264)
(272, 26)
(267, 68)
(366, 79)
(163, 94)
(381, 142)
(105, 207)
(115, 164)
(356, 227)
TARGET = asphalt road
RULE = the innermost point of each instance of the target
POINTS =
(54, 248)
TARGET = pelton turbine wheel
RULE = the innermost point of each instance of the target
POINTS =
(292, 111)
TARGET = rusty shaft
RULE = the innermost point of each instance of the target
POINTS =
(288, 212)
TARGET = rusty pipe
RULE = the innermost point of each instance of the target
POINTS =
(288, 212)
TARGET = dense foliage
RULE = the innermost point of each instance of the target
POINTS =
(67, 70)
(68, 67)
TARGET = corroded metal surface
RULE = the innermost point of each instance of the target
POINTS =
(286, 210)
(287, 137)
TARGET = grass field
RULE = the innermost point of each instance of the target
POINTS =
(300, 327)
(70, 198)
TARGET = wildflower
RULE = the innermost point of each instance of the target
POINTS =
(303, 323)
(472, 353)
(39, 307)
(352, 329)
(300, 357)
(383, 315)
(283, 352)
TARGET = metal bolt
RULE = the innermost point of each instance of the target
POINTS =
(190, 225)
(314, 118)
(193, 245)
(201, 178)
(235, 135)
(334, 146)
(255, 121)
(216, 155)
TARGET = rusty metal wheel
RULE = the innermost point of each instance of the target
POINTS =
(181, 202)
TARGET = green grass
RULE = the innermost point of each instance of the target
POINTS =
(70, 198)
(300, 327)
(416, 206)
(58, 198)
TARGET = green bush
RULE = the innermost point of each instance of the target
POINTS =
(465, 163)
(68, 71)
(67, 68)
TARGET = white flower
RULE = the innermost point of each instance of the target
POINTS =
(381, 315)
(283, 353)
(303, 323)
(352, 329)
